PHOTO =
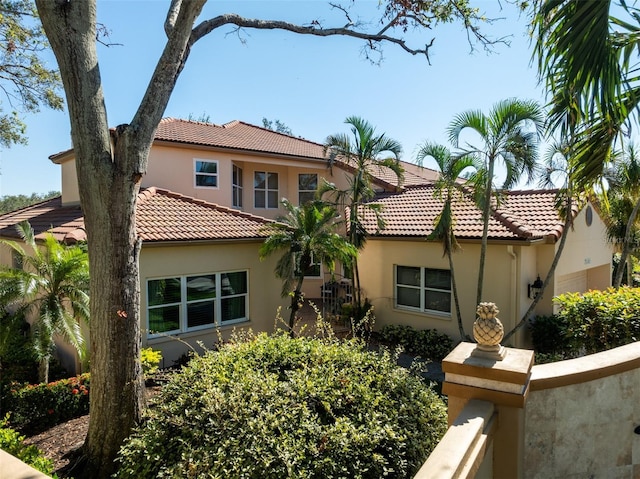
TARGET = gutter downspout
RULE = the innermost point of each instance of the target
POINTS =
(515, 281)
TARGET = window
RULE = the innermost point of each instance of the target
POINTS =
(237, 186)
(206, 173)
(188, 303)
(266, 189)
(307, 187)
(423, 289)
(314, 270)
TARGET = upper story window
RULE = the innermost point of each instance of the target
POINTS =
(236, 183)
(189, 303)
(206, 173)
(314, 270)
(423, 289)
(307, 187)
(265, 186)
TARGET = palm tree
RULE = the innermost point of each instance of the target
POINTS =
(624, 199)
(509, 133)
(50, 289)
(587, 56)
(449, 189)
(306, 232)
(365, 153)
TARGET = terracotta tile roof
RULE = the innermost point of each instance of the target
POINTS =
(237, 135)
(522, 215)
(64, 222)
(161, 216)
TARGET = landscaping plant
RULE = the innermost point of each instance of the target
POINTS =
(13, 443)
(277, 407)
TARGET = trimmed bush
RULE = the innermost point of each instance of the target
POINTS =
(426, 343)
(150, 360)
(37, 407)
(277, 407)
(13, 443)
(600, 320)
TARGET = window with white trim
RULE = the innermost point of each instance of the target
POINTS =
(236, 186)
(314, 270)
(423, 289)
(307, 187)
(189, 303)
(265, 186)
(206, 173)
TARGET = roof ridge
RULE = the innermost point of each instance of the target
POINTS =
(198, 201)
(29, 207)
(293, 137)
(531, 191)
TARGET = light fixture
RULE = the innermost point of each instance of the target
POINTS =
(533, 290)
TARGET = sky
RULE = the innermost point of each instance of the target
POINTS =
(310, 84)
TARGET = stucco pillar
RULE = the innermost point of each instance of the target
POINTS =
(491, 372)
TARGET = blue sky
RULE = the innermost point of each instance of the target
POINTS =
(311, 84)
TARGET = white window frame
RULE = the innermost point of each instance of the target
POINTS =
(422, 288)
(306, 192)
(266, 190)
(183, 303)
(236, 187)
(313, 263)
(197, 173)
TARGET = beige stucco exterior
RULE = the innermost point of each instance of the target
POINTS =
(184, 260)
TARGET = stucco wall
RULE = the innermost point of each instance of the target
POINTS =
(264, 289)
(577, 428)
(70, 193)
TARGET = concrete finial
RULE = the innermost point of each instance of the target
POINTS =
(488, 332)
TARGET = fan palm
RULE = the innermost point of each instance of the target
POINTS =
(365, 152)
(449, 188)
(51, 290)
(306, 232)
(509, 134)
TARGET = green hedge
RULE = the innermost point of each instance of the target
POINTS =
(13, 443)
(34, 408)
(600, 320)
(426, 343)
(277, 407)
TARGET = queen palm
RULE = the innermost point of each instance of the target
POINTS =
(508, 134)
(50, 290)
(365, 152)
(306, 232)
(587, 55)
(449, 188)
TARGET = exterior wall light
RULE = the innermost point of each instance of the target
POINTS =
(533, 290)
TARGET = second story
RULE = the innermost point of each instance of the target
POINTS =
(238, 165)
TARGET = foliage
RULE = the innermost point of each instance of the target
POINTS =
(276, 126)
(276, 407)
(15, 202)
(37, 407)
(17, 359)
(50, 287)
(150, 360)
(13, 443)
(550, 340)
(600, 320)
(426, 343)
(25, 80)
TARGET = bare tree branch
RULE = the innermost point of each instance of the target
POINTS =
(172, 15)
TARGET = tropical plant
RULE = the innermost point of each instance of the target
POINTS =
(307, 232)
(508, 133)
(365, 154)
(449, 189)
(50, 290)
(275, 407)
(587, 55)
(623, 198)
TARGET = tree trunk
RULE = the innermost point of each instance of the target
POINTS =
(563, 239)
(109, 169)
(43, 369)
(486, 213)
(463, 335)
(626, 248)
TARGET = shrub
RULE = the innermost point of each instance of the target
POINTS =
(276, 407)
(427, 343)
(37, 407)
(13, 443)
(600, 320)
(150, 360)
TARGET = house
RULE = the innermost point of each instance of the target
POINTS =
(408, 278)
(210, 189)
